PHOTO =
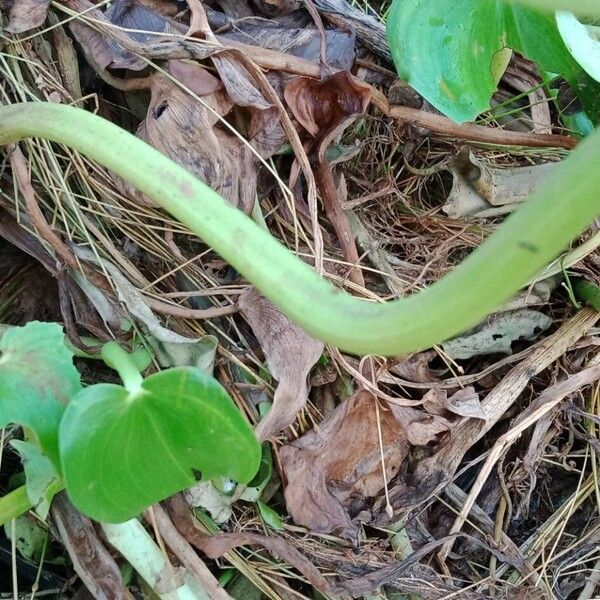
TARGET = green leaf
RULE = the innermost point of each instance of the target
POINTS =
(123, 451)
(445, 49)
(583, 42)
(42, 480)
(37, 379)
(30, 537)
(255, 488)
(269, 516)
(587, 8)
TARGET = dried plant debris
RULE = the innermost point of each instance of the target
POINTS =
(366, 494)
(26, 15)
(482, 190)
(497, 333)
(334, 470)
(188, 130)
(290, 355)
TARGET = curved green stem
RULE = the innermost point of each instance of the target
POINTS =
(14, 504)
(514, 254)
(123, 363)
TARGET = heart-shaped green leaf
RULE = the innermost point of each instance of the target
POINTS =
(37, 379)
(445, 49)
(122, 451)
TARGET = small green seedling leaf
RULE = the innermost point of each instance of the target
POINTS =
(269, 516)
(452, 51)
(124, 450)
(42, 480)
(255, 487)
(37, 379)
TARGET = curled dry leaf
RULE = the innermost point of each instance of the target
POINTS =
(141, 22)
(188, 131)
(290, 354)
(27, 14)
(464, 403)
(325, 108)
(332, 471)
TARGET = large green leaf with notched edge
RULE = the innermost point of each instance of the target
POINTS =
(37, 379)
(123, 451)
(446, 49)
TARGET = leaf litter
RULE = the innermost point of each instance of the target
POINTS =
(276, 110)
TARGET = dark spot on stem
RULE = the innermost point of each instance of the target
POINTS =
(529, 247)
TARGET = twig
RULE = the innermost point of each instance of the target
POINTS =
(478, 133)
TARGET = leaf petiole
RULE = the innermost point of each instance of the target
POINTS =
(14, 504)
(122, 362)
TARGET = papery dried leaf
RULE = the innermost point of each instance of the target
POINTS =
(198, 80)
(464, 403)
(186, 130)
(265, 130)
(239, 83)
(290, 354)
(132, 16)
(300, 42)
(105, 51)
(416, 368)
(327, 106)
(93, 44)
(338, 465)
(27, 14)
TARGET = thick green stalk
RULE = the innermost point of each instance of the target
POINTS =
(14, 504)
(510, 258)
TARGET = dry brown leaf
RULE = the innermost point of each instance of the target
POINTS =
(187, 131)
(239, 83)
(290, 354)
(327, 106)
(27, 14)
(333, 470)
(141, 23)
(340, 462)
(464, 403)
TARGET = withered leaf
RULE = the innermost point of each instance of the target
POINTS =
(339, 464)
(325, 108)
(142, 23)
(187, 131)
(333, 470)
(463, 403)
(239, 83)
(290, 354)
(27, 14)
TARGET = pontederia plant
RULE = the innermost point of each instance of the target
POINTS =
(508, 260)
(116, 449)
